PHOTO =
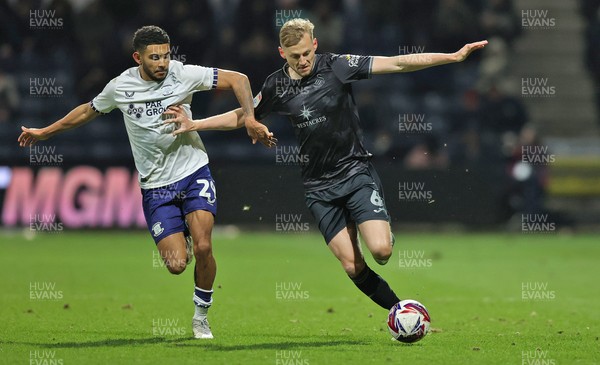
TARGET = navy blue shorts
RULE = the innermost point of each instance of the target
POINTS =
(165, 207)
(357, 199)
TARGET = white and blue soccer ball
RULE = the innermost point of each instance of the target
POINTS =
(408, 321)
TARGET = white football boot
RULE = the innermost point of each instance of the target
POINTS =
(200, 324)
(201, 327)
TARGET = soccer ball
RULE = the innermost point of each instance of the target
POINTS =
(408, 321)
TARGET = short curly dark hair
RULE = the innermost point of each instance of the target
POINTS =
(149, 34)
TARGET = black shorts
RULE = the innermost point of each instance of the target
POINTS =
(357, 199)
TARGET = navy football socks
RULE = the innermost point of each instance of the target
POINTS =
(375, 288)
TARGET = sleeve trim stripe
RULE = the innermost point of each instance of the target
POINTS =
(370, 67)
(94, 108)
(215, 78)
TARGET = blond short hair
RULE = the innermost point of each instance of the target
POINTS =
(293, 30)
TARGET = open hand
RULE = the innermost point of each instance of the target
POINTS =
(29, 136)
(259, 132)
(464, 52)
(176, 114)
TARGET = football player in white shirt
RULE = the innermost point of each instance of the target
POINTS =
(179, 196)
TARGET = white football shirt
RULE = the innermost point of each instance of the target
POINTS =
(160, 158)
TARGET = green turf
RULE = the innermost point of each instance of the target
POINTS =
(123, 310)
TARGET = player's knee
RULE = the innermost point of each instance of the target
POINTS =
(176, 267)
(202, 249)
(382, 251)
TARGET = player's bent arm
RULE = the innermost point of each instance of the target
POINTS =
(240, 85)
(419, 61)
(223, 122)
(238, 82)
(75, 118)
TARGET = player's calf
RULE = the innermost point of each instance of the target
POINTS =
(353, 267)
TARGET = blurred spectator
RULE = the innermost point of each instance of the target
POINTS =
(528, 172)
(330, 26)
(591, 11)
(9, 97)
(427, 154)
(502, 113)
(499, 19)
(454, 25)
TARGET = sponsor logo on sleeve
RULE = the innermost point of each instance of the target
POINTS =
(257, 99)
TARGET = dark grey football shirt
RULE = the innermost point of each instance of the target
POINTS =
(324, 115)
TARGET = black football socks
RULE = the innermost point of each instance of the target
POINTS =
(375, 288)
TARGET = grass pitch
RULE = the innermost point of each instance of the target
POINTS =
(104, 298)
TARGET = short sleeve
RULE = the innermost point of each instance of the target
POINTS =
(263, 102)
(201, 78)
(348, 68)
(105, 101)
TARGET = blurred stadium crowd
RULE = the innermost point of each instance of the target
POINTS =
(590, 10)
(471, 115)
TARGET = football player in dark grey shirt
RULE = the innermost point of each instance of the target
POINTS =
(343, 191)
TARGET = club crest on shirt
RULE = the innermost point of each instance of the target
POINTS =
(167, 90)
(319, 81)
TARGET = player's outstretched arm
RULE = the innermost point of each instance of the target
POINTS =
(76, 117)
(240, 85)
(419, 61)
(227, 121)
(223, 122)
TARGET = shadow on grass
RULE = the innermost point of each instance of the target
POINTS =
(283, 345)
(210, 345)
